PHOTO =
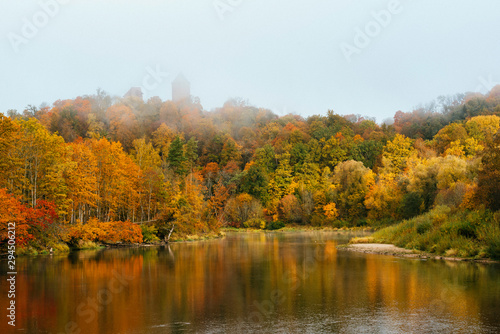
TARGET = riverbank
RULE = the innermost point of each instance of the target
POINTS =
(301, 228)
(442, 233)
(58, 248)
(392, 250)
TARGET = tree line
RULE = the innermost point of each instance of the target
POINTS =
(97, 159)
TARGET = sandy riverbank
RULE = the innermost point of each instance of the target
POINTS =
(387, 249)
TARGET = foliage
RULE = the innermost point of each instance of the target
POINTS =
(242, 208)
(255, 182)
(289, 209)
(94, 159)
(352, 181)
(488, 190)
(255, 223)
(275, 225)
(493, 248)
(30, 223)
(109, 232)
(149, 233)
(396, 153)
(411, 205)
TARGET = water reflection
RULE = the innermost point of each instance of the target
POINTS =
(264, 282)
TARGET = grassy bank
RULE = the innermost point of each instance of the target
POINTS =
(197, 237)
(95, 235)
(446, 232)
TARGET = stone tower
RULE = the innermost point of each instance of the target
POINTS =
(181, 88)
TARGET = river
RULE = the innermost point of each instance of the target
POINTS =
(294, 282)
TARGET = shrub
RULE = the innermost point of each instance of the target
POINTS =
(423, 227)
(111, 232)
(26, 251)
(317, 220)
(493, 248)
(58, 247)
(255, 223)
(149, 234)
(466, 229)
(411, 205)
(275, 225)
(241, 208)
(439, 214)
(362, 222)
(452, 196)
(81, 244)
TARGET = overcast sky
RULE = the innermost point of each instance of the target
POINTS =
(363, 57)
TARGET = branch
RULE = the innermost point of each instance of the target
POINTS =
(170, 233)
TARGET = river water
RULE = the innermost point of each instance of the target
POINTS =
(295, 282)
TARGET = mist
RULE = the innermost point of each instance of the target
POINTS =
(370, 58)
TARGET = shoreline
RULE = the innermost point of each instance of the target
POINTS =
(297, 228)
(392, 250)
(30, 251)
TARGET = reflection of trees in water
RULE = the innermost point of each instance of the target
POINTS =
(230, 279)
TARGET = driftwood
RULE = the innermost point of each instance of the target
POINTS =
(167, 239)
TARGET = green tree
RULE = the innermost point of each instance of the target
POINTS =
(176, 159)
(255, 182)
(230, 152)
(266, 158)
(282, 182)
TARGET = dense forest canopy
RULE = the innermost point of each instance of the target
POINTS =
(96, 161)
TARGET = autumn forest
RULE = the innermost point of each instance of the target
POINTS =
(99, 169)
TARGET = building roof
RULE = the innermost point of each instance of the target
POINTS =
(180, 79)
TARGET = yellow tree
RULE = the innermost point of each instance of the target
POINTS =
(282, 182)
(81, 179)
(384, 198)
(11, 166)
(150, 176)
(162, 138)
(446, 136)
(396, 153)
(353, 181)
(117, 181)
(189, 207)
(43, 160)
(483, 128)
(332, 152)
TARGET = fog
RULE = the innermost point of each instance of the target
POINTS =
(355, 57)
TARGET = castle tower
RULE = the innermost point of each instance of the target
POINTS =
(181, 88)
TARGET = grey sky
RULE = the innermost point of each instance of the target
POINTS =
(282, 55)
